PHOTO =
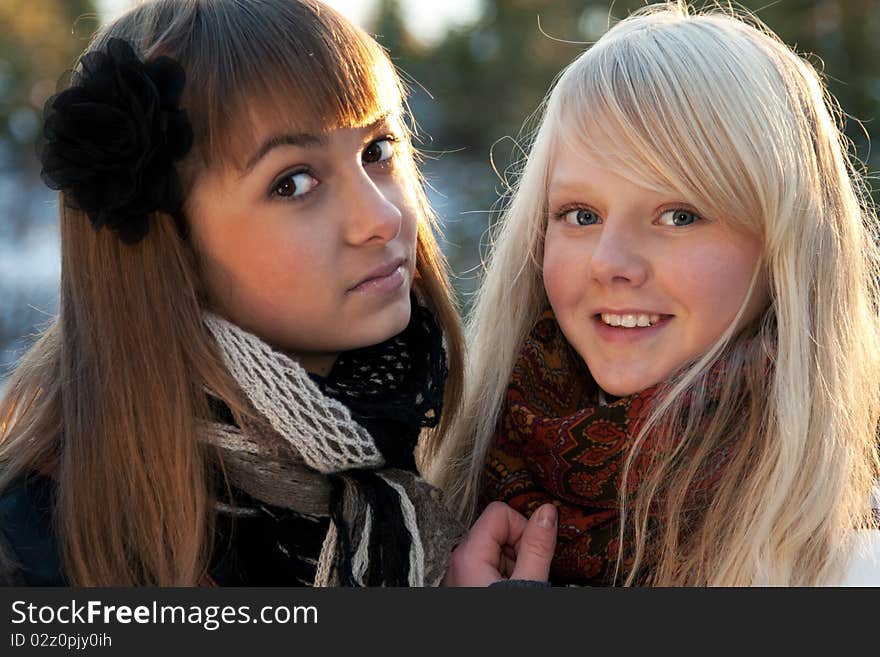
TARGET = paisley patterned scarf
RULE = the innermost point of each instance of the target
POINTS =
(560, 440)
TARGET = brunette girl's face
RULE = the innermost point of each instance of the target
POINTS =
(311, 246)
(640, 282)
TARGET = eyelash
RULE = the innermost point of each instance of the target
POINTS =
(273, 190)
(565, 210)
(678, 207)
(392, 139)
(286, 177)
(682, 207)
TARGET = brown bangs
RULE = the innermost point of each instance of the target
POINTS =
(286, 63)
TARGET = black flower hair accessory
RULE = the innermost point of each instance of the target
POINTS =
(111, 140)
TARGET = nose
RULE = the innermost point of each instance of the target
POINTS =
(371, 214)
(617, 257)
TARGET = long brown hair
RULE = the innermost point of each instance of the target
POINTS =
(108, 400)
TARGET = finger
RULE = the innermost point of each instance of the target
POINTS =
(535, 550)
(497, 526)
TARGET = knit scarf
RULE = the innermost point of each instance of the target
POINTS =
(299, 448)
(560, 440)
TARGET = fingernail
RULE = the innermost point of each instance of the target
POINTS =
(547, 516)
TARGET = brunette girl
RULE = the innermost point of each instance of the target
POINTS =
(255, 323)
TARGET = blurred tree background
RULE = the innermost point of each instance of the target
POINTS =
(471, 91)
(39, 41)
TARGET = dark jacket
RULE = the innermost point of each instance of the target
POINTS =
(27, 538)
(255, 544)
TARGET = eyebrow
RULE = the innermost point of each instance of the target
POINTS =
(301, 139)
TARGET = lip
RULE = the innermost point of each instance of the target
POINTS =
(628, 336)
(384, 278)
(628, 311)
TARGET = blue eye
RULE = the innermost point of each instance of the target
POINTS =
(295, 184)
(378, 151)
(678, 217)
(580, 217)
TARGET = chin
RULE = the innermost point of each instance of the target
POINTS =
(623, 386)
(382, 325)
(620, 390)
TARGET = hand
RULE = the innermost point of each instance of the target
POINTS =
(502, 544)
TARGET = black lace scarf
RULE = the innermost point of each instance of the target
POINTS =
(393, 389)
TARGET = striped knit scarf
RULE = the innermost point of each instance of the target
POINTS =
(299, 448)
(560, 440)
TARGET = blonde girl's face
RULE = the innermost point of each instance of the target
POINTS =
(312, 245)
(640, 281)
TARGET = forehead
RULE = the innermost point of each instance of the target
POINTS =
(584, 163)
(264, 124)
(274, 135)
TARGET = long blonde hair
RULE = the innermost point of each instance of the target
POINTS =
(107, 402)
(713, 108)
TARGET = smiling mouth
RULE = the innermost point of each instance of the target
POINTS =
(630, 321)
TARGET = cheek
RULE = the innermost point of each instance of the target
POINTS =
(262, 271)
(712, 285)
(273, 261)
(564, 265)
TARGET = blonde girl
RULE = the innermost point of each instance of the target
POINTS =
(677, 341)
(255, 323)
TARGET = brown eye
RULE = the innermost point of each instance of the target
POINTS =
(295, 184)
(378, 151)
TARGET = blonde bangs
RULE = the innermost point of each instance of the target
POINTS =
(674, 115)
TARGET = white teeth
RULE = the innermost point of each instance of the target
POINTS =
(630, 321)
